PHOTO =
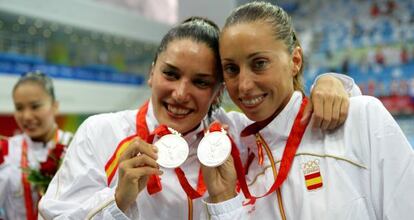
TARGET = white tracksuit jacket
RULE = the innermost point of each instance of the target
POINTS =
(363, 170)
(11, 190)
(80, 189)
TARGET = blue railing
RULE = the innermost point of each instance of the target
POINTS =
(18, 64)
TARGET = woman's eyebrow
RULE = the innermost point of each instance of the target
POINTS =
(170, 65)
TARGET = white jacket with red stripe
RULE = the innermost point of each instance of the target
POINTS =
(11, 188)
(80, 189)
(363, 170)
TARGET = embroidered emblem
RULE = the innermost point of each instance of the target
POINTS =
(312, 172)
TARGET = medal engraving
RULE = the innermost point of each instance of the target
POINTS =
(172, 150)
(214, 149)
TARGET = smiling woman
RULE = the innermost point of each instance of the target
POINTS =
(32, 152)
(112, 170)
(112, 159)
(35, 107)
(263, 66)
(361, 170)
(184, 84)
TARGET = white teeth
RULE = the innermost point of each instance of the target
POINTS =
(253, 101)
(178, 111)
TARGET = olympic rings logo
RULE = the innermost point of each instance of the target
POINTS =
(311, 165)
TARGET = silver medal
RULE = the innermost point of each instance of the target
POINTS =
(214, 149)
(172, 150)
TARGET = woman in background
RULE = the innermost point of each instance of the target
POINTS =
(35, 153)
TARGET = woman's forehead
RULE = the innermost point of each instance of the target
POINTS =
(31, 86)
(248, 37)
(187, 47)
(186, 54)
(248, 27)
(187, 44)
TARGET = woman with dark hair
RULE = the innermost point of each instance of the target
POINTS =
(362, 170)
(112, 169)
(38, 149)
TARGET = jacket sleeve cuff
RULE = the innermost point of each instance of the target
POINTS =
(116, 213)
(216, 209)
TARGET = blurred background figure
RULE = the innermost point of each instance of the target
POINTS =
(29, 160)
(98, 51)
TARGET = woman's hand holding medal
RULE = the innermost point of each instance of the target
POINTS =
(140, 160)
(172, 149)
(217, 164)
(213, 153)
(220, 181)
(136, 164)
(213, 150)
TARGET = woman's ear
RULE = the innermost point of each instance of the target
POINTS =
(297, 60)
(151, 73)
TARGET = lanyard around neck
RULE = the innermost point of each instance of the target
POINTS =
(292, 144)
(154, 181)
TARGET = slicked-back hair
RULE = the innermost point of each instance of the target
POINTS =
(280, 22)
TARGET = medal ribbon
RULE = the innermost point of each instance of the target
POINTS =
(154, 181)
(4, 149)
(292, 144)
(237, 162)
(254, 129)
(215, 126)
(189, 190)
(31, 212)
(28, 202)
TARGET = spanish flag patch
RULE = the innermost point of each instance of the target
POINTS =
(313, 178)
(111, 166)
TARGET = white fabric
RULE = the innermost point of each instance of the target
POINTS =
(80, 190)
(367, 169)
(11, 189)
